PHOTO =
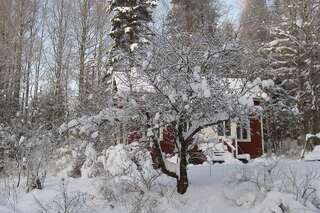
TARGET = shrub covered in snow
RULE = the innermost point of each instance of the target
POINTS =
(131, 162)
(90, 167)
(130, 177)
(314, 155)
(274, 188)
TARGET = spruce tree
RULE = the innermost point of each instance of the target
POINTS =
(131, 33)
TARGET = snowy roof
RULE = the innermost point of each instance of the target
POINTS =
(249, 90)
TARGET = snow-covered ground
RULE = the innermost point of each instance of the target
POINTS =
(262, 186)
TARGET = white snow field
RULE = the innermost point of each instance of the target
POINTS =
(264, 185)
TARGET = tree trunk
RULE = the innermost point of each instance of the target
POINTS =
(83, 90)
(29, 61)
(18, 65)
(39, 62)
(182, 180)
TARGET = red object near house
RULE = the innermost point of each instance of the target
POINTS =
(253, 143)
(254, 147)
(167, 144)
(134, 135)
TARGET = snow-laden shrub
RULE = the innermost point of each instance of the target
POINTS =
(277, 202)
(7, 143)
(142, 204)
(70, 158)
(129, 177)
(97, 128)
(9, 193)
(90, 167)
(263, 177)
(117, 161)
(305, 188)
(129, 162)
(63, 159)
(280, 189)
(34, 155)
(66, 202)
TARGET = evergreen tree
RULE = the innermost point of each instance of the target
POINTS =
(130, 32)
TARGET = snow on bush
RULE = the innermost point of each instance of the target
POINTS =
(129, 177)
(66, 202)
(314, 155)
(309, 136)
(131, 165)
(90, 167)
(274, 188)
(116, 161)
(87, 126)
(128, 161)
(277, 202)
(70, 158)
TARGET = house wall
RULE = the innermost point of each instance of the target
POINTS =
(167, 137)
(211, 133)
(255, 146)
(252, 146)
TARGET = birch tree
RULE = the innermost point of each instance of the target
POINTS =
(60, 37)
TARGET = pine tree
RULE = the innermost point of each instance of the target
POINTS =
(130, 32)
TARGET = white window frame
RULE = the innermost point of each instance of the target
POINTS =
(248, 129)
(224, 129)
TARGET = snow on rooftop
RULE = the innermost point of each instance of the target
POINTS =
(249, 90)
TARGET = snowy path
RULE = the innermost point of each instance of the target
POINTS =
(207, 190)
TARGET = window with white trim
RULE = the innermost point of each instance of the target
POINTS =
(224, 128)
(243, 130)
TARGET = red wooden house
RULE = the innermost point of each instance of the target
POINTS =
(243, 138)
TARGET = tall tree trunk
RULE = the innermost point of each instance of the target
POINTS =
(182, 180)
(39, 62)
(84, 7)
(29, 61)
(18, 65)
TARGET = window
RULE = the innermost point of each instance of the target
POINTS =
(243, 129)
(227, 125)
(224, 128)
(220, 128)
(121, 134)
